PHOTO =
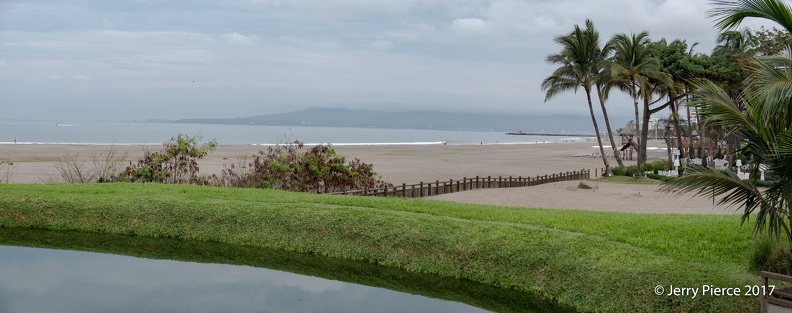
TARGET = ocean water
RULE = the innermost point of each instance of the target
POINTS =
(136, 133)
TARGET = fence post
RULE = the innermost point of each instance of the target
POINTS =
(422, 190)
(510, 182)
(437, 188)
(521, 182)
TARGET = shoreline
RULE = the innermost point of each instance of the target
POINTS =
(396, 163)
(413, 164)
(417, 143)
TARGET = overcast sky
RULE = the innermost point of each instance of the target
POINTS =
(126, 59)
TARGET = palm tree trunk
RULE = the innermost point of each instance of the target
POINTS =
(635, 102)
(702, 141)
(789, 213)
(644, 136)
(675, 112)
(668, 147)
(690, 135)
(615, 148)
(599, 137)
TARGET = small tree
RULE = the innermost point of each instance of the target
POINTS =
(175, 164)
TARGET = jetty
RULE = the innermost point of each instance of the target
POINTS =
(549, 134)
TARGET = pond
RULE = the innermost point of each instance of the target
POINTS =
(46, 280)
(37, 274)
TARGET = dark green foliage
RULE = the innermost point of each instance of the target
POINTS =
(317, 170)
(770, 255)
(660, 165)
(631, 171)
(770, 41)
(619, 171)
(175, 164)
(659, 177)
(647, 168)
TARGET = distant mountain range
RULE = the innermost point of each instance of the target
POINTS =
(412, 120)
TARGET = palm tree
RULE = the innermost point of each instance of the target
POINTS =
(603, 83)
(733, 43)
(764, 122)
(633, 63)
(767, 143)
(580, 61)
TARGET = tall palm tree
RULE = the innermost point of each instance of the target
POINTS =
(633, 63)
(579, 63)
(603, 83)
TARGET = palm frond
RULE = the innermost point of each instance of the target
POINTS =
(729, 14)
(771, 83)
(706, 182)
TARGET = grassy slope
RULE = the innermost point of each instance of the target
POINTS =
(593, 261)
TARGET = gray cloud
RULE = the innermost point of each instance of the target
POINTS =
(265, 56)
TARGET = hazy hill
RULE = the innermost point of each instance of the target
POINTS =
(413, 120)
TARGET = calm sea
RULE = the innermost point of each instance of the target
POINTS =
(135, 133)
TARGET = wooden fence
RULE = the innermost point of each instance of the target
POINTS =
(442, 187)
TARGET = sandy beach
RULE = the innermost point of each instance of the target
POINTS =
(418, 163)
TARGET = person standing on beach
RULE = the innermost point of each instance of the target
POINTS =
(14, 139)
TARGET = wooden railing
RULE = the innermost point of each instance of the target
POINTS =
(442, 187)
(773, 299)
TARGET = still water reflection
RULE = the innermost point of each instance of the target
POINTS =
(46, 280)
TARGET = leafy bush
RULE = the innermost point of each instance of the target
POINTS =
(175, 164)
(647, 168)
(659, 177)
(317, 170)
(631, 171)
(660, 165)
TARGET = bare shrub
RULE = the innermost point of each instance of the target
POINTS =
(96, 168)
(6, 171)
(317, 170)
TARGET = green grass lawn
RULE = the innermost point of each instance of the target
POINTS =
(617, 179)
(592, 261)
